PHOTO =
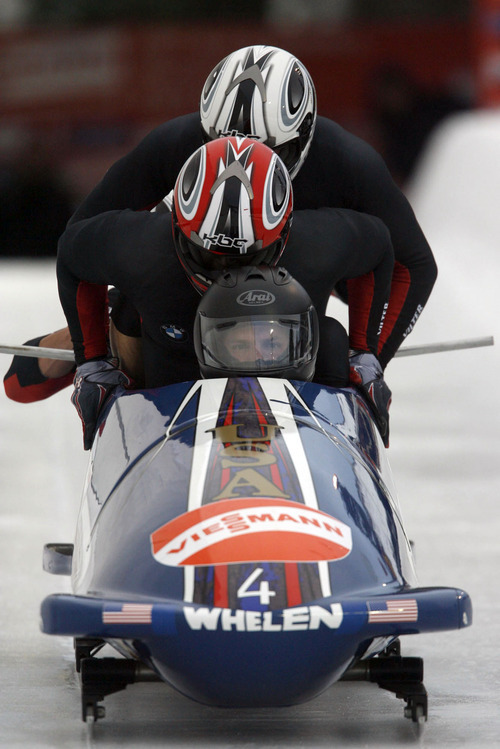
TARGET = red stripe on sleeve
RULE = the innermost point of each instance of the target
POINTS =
(31, 393)
(360, 292)
(91, 301)
(401, 281)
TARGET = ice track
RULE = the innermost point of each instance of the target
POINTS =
(445, 442)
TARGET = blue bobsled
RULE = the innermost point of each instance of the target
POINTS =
(241, 540)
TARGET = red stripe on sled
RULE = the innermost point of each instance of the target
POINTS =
(221, 598)
(293, 592)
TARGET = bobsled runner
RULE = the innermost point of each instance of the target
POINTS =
(241, 540)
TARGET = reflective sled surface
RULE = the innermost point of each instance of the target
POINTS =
(242, 540)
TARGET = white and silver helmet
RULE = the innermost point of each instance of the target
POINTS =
(263, 93)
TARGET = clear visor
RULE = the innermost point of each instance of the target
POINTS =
(256, 344)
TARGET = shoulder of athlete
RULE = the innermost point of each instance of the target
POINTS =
(330, 137)
(114, 242)
(357, 221)
(185, 128)
(341, 229)
(118, 221)
(329, 219)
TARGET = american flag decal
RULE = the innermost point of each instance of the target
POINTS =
(129, 613)
(403, 610)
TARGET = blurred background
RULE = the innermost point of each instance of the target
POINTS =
(81, 81)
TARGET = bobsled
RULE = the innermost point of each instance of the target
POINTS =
(241, 540)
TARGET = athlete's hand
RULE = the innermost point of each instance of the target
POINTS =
(366, 373)
(94, 382)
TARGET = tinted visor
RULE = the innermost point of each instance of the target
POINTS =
(256, 344)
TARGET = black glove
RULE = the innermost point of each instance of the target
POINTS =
(367, 374)
(94, 382)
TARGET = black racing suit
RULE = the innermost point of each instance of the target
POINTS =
(341, 170)
(134, 251)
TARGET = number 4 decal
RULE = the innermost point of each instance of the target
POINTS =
(262, 591)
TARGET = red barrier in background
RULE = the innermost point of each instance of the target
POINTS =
(92, 93)
(487, 50)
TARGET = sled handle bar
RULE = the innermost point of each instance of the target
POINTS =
(428, 348)
(39, 352)
(434, 348)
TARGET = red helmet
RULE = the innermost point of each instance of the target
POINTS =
(232, 206)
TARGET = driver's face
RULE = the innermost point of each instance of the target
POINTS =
(249, 343)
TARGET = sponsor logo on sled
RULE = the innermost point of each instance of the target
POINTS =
(234, 531)
(296, 619)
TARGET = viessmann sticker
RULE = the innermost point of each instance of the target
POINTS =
(234, 531)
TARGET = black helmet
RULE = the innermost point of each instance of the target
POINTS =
(263, 93)
(256, 321)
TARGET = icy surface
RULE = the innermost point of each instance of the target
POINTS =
(444, 453)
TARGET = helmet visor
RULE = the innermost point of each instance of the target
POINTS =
(256, 344)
